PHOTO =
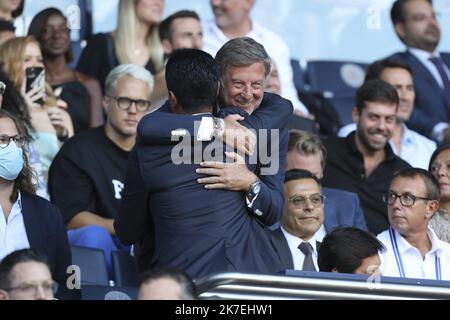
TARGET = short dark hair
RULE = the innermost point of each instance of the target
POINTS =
(37, 26)
(345, 248)
(11, 260)
(375, 91)
(19, 10)
(188, 287)
(398, 11)
(191, 74)
(376, 68)
(436, 152)
(431, 184)
(299, 174)
(165, 32)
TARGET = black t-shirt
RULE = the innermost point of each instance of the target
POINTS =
(345, 170)
(99, 58)
(87, 174)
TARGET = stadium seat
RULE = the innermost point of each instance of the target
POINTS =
(92, 265)
(125, 269)
(299, 76)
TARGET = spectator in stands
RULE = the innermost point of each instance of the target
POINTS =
(135, 41)
(181, 30)
(50, 122)
(219, 216)
(81, 92)
(7, 30)
(298, 238)
(232, 20)
(350, 250)
(25, 275)
(273, 83)
(416, 26)
(406, 143)
(11, 9)
(440, 168)
(86, 177)
(166, 284)
(364, 162)
(342, 208)
(27, 221)
(412, 248)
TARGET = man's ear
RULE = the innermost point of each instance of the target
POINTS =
(431, 209)
(167, 47)
(3, 295)
(106, 101)
(174, 106)
(355, 114)
(400, 30)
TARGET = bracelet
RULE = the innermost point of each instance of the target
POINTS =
(218, 127)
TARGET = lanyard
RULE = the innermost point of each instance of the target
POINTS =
(398, 258)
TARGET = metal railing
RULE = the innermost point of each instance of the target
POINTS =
(308, 285)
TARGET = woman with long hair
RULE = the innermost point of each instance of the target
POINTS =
(81, 92)
(135, 41)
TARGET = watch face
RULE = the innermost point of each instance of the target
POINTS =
(256, 187)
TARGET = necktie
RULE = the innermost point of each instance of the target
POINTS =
(439, 64)
(307, 249)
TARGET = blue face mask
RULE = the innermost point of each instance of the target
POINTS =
(11, 161)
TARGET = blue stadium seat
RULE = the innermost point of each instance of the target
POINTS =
(92, 265)
(299, 75)
(125, 269)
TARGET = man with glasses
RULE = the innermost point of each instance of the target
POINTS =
(86, 177)
(301, 227)
(25, 275)
(412, 248)
(416, 26)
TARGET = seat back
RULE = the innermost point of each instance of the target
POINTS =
(92, 265)
(298, 74)
(125, 269)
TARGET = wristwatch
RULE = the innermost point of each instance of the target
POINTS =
(254, 189)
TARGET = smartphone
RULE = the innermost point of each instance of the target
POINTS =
(35, 77)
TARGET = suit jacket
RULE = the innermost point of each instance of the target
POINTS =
(281, 246)
(47, 234)
(342, 208)
(227, 237)
(430, 106)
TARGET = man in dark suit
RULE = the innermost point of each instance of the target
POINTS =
(199, 231)
(416, 26)
(301, 229)
(342, 208)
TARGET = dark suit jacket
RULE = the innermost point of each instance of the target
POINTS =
(430, 107)
(47, 234)
(281, 246)
(342, 208)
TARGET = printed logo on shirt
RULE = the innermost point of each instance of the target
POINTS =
(118, 187)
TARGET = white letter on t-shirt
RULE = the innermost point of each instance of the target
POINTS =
(118, 187)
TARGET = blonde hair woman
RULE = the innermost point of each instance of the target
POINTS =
(49, 120)
(134, 41)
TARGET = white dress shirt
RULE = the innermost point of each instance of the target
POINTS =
(297, 255)
(214, 39)
(416, 149)
(13, 235)
(414, 265)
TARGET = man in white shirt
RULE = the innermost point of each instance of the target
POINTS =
(409, 145)
(412, 248)
(301, 230)
(416, 26)
(232, 20)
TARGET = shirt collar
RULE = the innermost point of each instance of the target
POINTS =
(422, 54)
(404, 245)
(296, 241)
(16, 208)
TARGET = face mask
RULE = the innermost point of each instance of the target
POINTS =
(11, 161)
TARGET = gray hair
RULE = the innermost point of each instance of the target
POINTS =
(131, 70)
(241, 52)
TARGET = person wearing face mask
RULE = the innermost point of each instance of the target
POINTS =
(27, 220)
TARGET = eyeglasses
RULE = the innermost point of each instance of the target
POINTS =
(2, 88)
(406, 199)
(300, 201)
(18, 139)
(125, 103)
(31, 288)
